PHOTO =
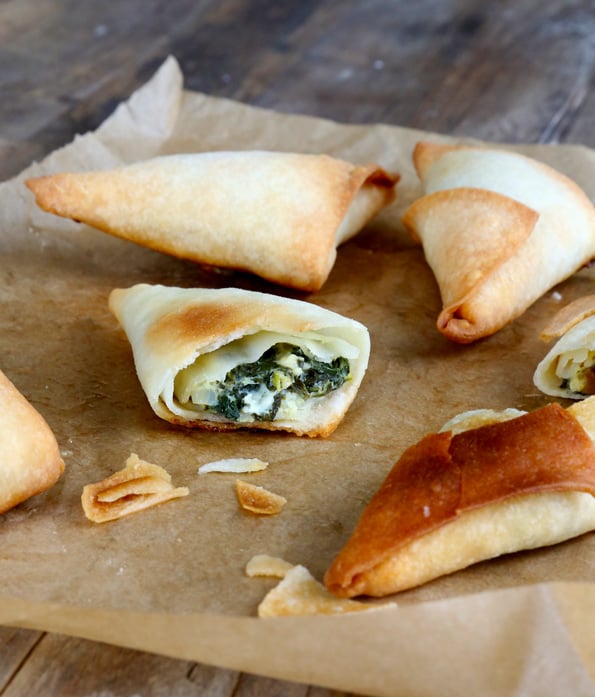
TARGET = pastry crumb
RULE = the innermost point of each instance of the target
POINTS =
(299, 593)
(138, 486)
(257, 499)
(236, 465)
(265, 565)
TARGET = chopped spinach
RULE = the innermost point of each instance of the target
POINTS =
(228, 405)
(583, 381)
(321, 378)
(278, 376)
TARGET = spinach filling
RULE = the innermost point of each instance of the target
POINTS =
(583, 382)
(281, 371)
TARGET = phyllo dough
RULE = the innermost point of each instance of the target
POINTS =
(136, 487)
(568, 369)
(462, 496)
(229, 358)
(498, 230)
(278, 215)
(30, 460)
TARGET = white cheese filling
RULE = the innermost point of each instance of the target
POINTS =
(199, 385)
(572, 367)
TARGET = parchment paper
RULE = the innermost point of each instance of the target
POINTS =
(171, 579)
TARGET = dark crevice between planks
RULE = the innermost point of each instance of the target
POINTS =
(21, 663)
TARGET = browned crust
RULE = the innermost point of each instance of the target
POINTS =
(191, 323)
(472, 313)
(228, 426)
(206, 323)
(426, 153)
(31, 457)
(115, 202)
(139, 485)
(442, 476)
(371, 174)
(468, 234)
(258, 500)
(568, 316)
(480, 230)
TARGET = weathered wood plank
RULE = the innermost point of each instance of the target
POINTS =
(510, 71)
(66, 72)
(314, 691)
(213, 682)
(523, 77)
(67, 667)
(15, 647)
(254, 686)
(53, 665)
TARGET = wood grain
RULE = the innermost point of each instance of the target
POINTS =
(509, 71)
(512, 71)
(53, 665)
(15, 647)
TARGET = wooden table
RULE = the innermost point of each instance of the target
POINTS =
(511, 71)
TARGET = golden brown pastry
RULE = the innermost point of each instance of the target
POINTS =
(229, 358)
(498, 230)
(259, 500)
(462, 496)
(299, 594)
(278, 215)
(138, 486)
(30, 460)
(568, 369)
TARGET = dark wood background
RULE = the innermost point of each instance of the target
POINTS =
(509, 71)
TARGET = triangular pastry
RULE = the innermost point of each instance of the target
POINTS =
(464, 495)
(30, 460)
(229, 358)
(278, 215)
(498, 230)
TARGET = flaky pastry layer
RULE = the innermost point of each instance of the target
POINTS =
(453, 500)
(498, 230)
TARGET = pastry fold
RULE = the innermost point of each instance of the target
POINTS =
(498, 230)
(30, 460)
(568, 368)
(278, 215)
(139, 485)
(228, 358)
(462, 496)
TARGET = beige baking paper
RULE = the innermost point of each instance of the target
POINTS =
(171, 579)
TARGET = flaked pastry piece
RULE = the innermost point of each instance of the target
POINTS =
(462, 496)
(259, 500)
(568, 369)
(138, 486)
(278, 215)
(498, 230)
(229, 358)
(298, 592)
(30, 460)
(237, 465)
(267, 565)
